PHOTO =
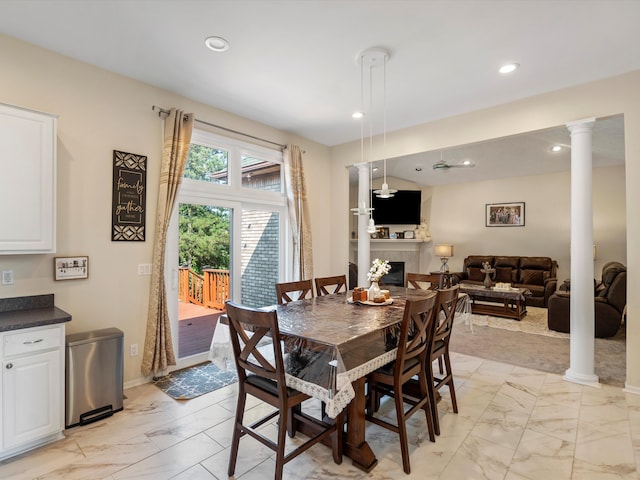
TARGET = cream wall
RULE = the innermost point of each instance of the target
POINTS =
(617, 95)
(98, 112)
(547, 222)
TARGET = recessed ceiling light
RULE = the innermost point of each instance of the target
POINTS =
(509, 67)
(467, 162)
(418, 168)
(217, 44)
(375, 169)
(556, 148)
(357, 115)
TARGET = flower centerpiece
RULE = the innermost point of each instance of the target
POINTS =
(379, 269)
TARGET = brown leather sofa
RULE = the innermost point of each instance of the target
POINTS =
(610, 296)
(538, 274)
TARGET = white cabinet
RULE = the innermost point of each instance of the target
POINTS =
(27, 181)
(32, 393)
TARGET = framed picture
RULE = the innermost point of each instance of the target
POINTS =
(383, 232)
(70, 268)
(504, 214)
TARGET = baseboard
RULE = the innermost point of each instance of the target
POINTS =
(631, 389)
(136, 381)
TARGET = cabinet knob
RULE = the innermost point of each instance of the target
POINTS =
(9, 366)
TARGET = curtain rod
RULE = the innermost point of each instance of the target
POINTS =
(163, 111)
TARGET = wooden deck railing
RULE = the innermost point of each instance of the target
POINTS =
(211, 289)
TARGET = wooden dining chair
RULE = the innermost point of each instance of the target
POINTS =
(290, 291)
(329, 285)
(447, 300)
(262, 375)
(415, 340)
(422, 281)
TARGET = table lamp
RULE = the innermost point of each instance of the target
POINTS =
(444, 252)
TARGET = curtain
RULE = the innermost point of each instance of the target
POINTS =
(158, 348)
(298, 213)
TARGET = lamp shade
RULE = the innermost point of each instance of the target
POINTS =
(443, 250)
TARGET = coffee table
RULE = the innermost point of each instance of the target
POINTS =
(497, 302)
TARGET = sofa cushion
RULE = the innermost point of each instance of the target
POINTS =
(533, 277)
(512, 262)
(475, 274)
(478, 260)
(535, 263)
(504, 274)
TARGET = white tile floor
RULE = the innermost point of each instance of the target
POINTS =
(513, 424)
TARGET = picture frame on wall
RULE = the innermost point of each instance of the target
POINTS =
(505, 214)
(71, 268)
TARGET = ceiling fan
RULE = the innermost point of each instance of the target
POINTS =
(442, 165)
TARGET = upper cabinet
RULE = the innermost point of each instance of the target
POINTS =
(27, 181)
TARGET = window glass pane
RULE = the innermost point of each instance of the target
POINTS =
(260, 257)
(207, 164)
(260, 174)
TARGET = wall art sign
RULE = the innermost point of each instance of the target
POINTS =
(504, 214)
(71, 268)
(128, 213)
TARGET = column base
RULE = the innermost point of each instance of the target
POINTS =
(582, 379)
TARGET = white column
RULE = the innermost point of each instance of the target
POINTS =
(582, 343)
(364, 254)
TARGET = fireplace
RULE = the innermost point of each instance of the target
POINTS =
(395, 276)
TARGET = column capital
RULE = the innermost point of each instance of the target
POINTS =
(362, 166)
(581, 125)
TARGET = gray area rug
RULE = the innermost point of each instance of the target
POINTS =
(195, 381)
(539, 351)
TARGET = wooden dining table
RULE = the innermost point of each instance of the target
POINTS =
(331, 344)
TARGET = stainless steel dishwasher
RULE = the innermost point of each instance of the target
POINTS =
(94, 375)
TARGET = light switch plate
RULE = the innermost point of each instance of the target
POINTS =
(7, 277)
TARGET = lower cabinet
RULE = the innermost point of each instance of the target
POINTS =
(32, 395)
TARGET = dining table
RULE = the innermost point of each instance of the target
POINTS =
(331, 343)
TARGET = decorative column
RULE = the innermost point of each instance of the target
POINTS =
(582, 343)
(364, 252)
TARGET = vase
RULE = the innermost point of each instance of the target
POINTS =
(487, 279)
(374, 291)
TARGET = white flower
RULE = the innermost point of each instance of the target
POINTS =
(379, 269)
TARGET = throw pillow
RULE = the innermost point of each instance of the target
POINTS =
(503, 274)
(533, 277)
(475, 274)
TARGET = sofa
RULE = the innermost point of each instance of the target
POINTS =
(610, 300)
(538, 274)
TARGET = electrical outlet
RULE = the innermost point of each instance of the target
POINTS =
(133, 350)
(7, 277)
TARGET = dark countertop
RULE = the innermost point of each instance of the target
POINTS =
(33, 311)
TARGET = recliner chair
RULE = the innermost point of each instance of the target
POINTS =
(610, 296)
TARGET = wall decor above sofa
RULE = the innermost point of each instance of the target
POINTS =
(504, 214)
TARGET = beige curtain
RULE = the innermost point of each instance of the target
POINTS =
(158, 349)
(298, 213)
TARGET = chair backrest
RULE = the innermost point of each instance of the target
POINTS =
(419, 281)
(291, 291)
(446, 310)
(416, 331)
(248, 326)
(329, 285)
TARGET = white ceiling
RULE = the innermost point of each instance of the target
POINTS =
(292, 63)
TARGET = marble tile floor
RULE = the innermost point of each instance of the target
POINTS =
(513, 424)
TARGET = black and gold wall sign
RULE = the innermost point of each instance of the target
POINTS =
(129, 197)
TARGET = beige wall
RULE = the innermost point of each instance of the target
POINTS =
(99, 112)
(617, 95)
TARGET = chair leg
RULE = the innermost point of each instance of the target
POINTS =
(282, 436)
(440, 368)
(432, 395)
(424, 392)
(402, 430)
(452, 388)
(237, 428)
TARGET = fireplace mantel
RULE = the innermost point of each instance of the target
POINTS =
(393, 245)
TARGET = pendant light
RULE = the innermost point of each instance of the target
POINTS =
(385, 191)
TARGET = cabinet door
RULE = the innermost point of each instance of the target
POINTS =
(27, 182)
(31, 397)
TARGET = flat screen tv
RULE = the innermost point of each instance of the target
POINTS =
(401, 209)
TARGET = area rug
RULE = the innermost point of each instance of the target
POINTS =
(547, 353)
(535, 322)
(195, 381)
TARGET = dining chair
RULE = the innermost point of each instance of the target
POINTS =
(261, 374)
(329, 285)
(415, 340)
(291, 291)
(418, 280)
(447, 299)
